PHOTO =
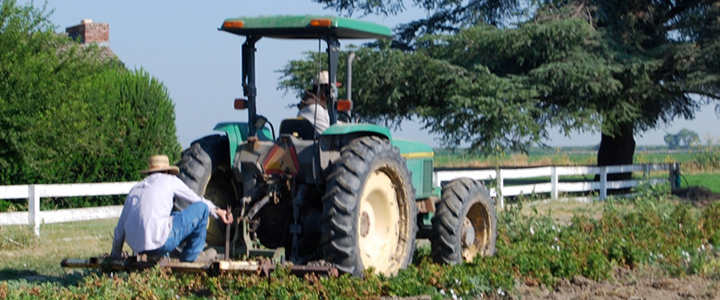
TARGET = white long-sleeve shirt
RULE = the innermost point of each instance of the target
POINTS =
(317, 115)
(145, 221)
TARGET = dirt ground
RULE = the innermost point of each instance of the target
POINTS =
(697, 196)
(632, 285)
(625, 284)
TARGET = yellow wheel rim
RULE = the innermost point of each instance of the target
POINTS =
(475, 233)
(379, 224)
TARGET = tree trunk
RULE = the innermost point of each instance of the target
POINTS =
(617, 150)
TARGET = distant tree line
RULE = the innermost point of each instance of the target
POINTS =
(69, 116)
(683, 139)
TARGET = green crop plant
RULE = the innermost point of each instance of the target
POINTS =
(650, 230)
(707, 158)
(710, 222)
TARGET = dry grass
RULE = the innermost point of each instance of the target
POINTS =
(28, 256)
(562, 211)
(697, 168)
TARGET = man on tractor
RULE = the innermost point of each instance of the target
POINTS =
(313, 107)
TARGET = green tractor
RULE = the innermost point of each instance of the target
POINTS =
(352, 196)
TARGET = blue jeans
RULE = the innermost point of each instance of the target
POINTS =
(189, 226)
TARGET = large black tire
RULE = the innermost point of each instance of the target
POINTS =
(465, 223)
(369, 210)
(205, 168)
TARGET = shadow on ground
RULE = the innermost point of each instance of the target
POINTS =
(697, 196)
(31, 276)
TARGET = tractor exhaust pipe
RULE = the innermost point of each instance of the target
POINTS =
(348, 77)
(348, 86)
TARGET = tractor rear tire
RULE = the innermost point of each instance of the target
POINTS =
(369, 210)
(205, 168)
(465, 223)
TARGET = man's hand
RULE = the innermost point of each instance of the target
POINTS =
(224, 215)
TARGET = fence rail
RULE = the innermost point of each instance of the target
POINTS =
(34, 192)
(554, 186)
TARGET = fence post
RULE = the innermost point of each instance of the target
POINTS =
(34, 209)
(674, 170)
(553, 183)
(646, 172)
(603, 182)
(499, 189)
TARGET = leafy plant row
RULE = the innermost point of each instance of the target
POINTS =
(648, 231)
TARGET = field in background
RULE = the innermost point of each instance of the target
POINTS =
(563, 156)
(709, 181)
(700, 166)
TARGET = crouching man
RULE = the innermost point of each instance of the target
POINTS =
(148, 224)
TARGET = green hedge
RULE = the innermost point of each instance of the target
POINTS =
(69, 116)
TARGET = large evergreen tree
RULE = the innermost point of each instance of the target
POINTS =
(500, 73)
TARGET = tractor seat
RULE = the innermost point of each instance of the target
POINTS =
(298, 127)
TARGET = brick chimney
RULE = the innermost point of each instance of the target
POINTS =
(90, 33)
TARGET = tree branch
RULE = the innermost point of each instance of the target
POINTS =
(679, 8)
(703, 93)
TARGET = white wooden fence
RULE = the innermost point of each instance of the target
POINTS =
(554, 186)
(34, 192)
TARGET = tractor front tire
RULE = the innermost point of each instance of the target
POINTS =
(369, 210)
(465, 223)
(205, 168)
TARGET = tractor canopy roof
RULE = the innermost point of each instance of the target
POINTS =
(305, 27)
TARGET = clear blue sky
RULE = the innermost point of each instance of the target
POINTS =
(178, 42)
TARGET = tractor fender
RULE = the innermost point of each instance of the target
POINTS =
(339, 135)
(237, 133)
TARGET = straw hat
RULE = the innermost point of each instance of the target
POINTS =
(321, 78)
(160, 163)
